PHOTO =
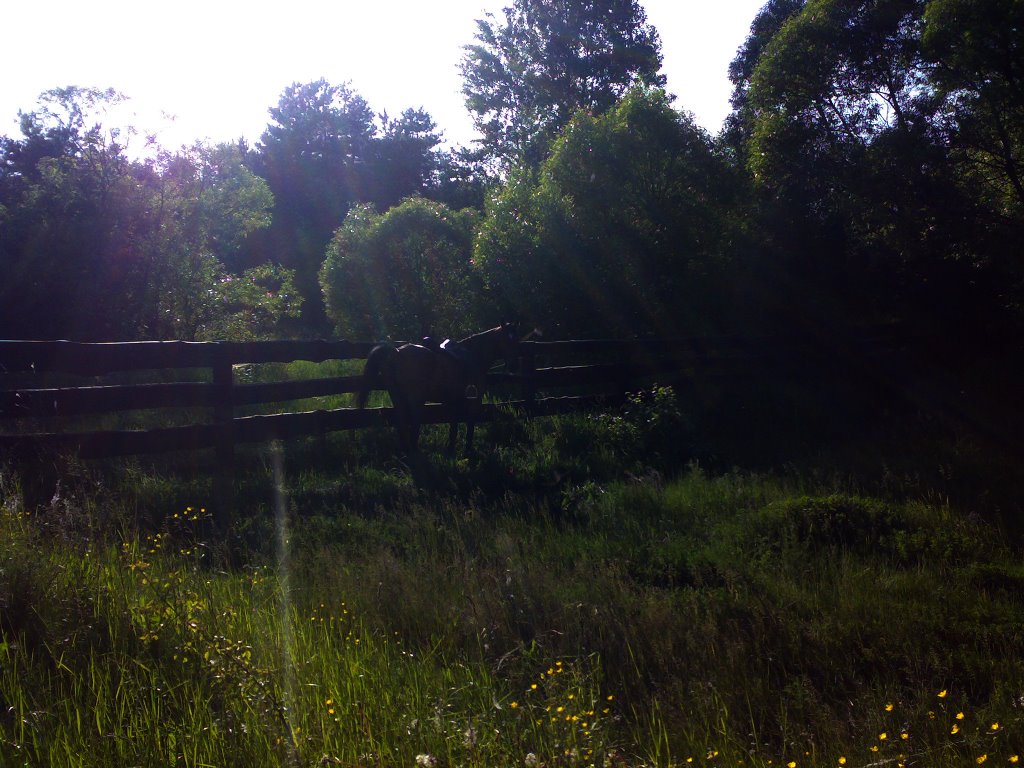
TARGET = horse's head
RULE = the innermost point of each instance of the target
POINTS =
(508, 344)
(510, 341)
(486, 347)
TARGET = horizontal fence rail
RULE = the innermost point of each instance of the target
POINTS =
(46, 385)
(553, 377)
(29, 363)
(88, 359)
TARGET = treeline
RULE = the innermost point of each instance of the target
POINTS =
(870, 173)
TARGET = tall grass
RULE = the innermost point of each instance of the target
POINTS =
(562, 599)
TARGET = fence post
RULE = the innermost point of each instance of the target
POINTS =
(527, 370)
(223, 418)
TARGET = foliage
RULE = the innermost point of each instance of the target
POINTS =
(765, 25)
(68, 190)
(116, 248)
(846, 120)
(460, 180)
(323, 153)
(213, 205)
(402, 274)
(530, 72)
(870, 174)
(651, 619)
(651, 428)
(975, 50)
(251, 305)
(625, 229)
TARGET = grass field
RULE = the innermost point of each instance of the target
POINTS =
(581, 592)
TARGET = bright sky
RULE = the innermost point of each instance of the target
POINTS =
(219, 65)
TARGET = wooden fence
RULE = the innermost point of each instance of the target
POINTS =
(590, 371)
(552, 377)
(27, 366)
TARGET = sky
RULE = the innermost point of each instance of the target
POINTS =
(217, 66)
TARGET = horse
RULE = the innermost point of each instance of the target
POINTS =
(452, 373)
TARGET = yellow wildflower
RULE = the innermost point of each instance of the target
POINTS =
(959, 715)
(943, 693)
(981, 759)
(994, 727)
(1014, 759)
(955, 729)
(883, 736)
(888, 707)
(842, 760)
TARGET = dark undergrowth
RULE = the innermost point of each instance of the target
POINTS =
(649, 586)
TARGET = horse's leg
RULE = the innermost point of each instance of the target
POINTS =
(411, 415)
(403, 421)
(453, 434)
(470, 426)
(414, 433)
(472, 410)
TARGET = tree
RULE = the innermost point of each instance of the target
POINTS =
(96, 246)
(765, 26)
(323, 153)
(849, 142)
(977, 50)
(201, 283)
(404, 158)
(402, 274)
(528, 74)
(624, 230)
(67, 186)
(311, 156)
(460, 179)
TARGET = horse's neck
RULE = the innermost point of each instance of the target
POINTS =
(482, 348)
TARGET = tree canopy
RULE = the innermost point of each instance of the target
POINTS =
(324, 152)
(530, 72)
(621, 231)
(404, 273)
(896, 173)
(97, 246)
(870, 172)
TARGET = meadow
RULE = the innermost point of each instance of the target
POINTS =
(634, 588)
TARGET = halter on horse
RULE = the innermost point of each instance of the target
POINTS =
(454, 373)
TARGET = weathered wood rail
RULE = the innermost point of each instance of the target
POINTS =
(28, 367)
(45, 386)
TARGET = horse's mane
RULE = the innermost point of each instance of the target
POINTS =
(482, 335)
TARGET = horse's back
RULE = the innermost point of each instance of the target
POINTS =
(429, 375)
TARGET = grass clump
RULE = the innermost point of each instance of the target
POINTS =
(543, 603)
